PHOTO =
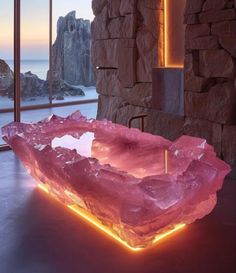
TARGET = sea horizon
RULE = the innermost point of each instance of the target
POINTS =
(38, 67)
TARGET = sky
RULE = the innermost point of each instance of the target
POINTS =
(35, 25)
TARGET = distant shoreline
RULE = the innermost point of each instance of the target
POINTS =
(38, 67)
(28, 60)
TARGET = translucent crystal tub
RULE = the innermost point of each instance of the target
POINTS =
(135, 186)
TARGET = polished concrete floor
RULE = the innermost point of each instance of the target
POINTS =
(38, 235)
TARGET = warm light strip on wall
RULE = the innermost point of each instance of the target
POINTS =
(167, 61)
(96, 223)
(165, 34)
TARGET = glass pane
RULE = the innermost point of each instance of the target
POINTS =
(34, 52)
(6, 62)
(73, 75)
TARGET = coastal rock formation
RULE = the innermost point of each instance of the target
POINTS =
(31, 86)
(61, 88)
(71, 51)
(6, 77)
(71, 64)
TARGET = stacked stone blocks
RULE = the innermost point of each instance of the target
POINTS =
(127, 44)
(210, 73)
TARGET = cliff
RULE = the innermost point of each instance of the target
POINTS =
(6, 77)
(71, 51)
(32, 86)
(71, 64)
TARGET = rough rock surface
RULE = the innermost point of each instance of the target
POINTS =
(105, 53)
(126, 69)
(210, 131)
(115, 109)
(30, 84)
(216, 64)
(70, 64)
(194, 6)
(97, 6)
(6, 77)
(229, 146)
(218, 105)
(210, 68)
(164, 124)
(89, 163)
(214, 5)
(222, 103)
(61, 88)
(225, 31)
(193, 82)
(71, 51)
(214, 16)
(126, 44)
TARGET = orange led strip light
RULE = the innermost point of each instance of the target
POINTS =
(165, 35)
(166, 41)
(95, 222)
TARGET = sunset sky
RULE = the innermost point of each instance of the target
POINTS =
(34, 25)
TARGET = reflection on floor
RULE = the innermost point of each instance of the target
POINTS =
(89, 110)
(39, 235)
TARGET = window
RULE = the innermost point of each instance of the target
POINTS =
(6, 57)
(54, 58)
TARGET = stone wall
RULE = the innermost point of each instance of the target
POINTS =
(210, 72)
(126, 44)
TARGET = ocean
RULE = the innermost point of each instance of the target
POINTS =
(38, 67)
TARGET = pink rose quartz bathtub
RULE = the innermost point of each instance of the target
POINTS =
(133, 185)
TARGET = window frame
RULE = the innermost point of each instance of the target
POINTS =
(17, 59)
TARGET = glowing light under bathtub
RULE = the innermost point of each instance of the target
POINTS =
(96, 223)
(131, 185)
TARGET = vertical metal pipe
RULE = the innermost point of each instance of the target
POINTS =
(50, 76)
(142, 124)
(17, 46)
